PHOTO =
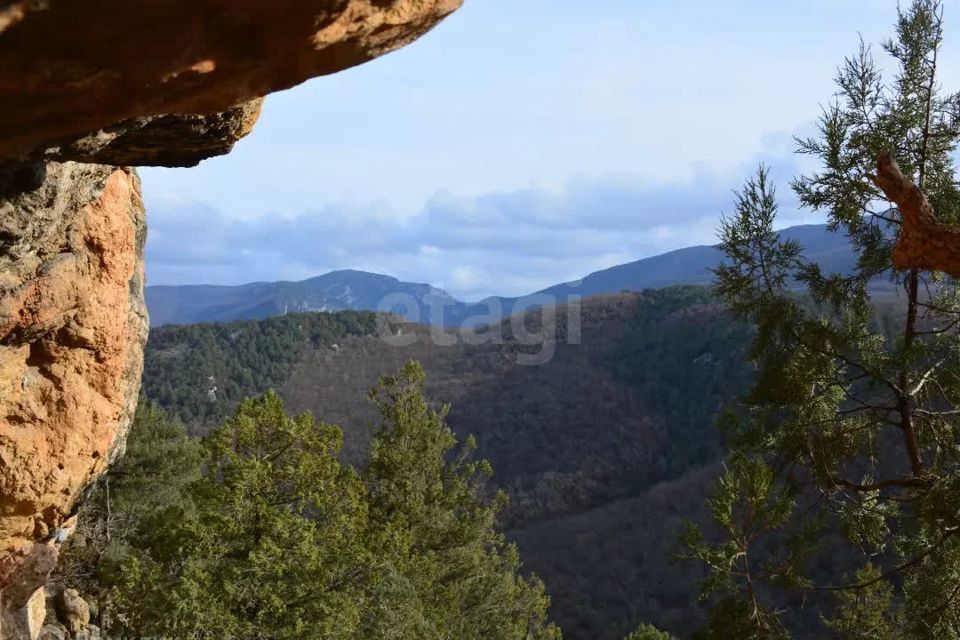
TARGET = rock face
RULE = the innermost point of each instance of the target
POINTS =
(72, 329)
(26, 621)
(169, 141)
(71, 69)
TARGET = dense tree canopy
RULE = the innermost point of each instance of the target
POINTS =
(263, 533)
(200, 373)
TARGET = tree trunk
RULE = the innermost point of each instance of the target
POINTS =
(924, 243)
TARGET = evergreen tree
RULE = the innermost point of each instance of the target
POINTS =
(853, 422)
(649, 632)
(868, 613)
(269, 546)
(452, 573)
(277, 539)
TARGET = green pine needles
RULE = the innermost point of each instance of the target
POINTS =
(842, 495)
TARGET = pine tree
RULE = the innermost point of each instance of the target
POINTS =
(452, 574)
(276, 539)
(853, 422)
(269, 545)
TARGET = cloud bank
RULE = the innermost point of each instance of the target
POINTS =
(505, 243)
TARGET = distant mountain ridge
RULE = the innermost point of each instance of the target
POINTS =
(345, 290)
(362, 291)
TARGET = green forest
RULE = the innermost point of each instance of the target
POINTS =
(233, 361)
(259, 531)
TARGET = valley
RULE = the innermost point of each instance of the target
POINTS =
(595, 439)
(398, 373)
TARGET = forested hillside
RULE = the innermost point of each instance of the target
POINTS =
(596, 430)
(631, 404)
(201, 372)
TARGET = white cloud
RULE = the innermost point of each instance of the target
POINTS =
(654, 104)
(507, 243)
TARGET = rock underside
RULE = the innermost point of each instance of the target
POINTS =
(70, 71)
(88, 89)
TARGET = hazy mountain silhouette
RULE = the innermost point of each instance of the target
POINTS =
(358, 290)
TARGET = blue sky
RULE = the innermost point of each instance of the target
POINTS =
(520, 144)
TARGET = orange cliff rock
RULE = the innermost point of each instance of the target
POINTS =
(72, 329)
(75, 76)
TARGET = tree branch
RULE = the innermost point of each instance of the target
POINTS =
(886, 575)
(880, 486)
